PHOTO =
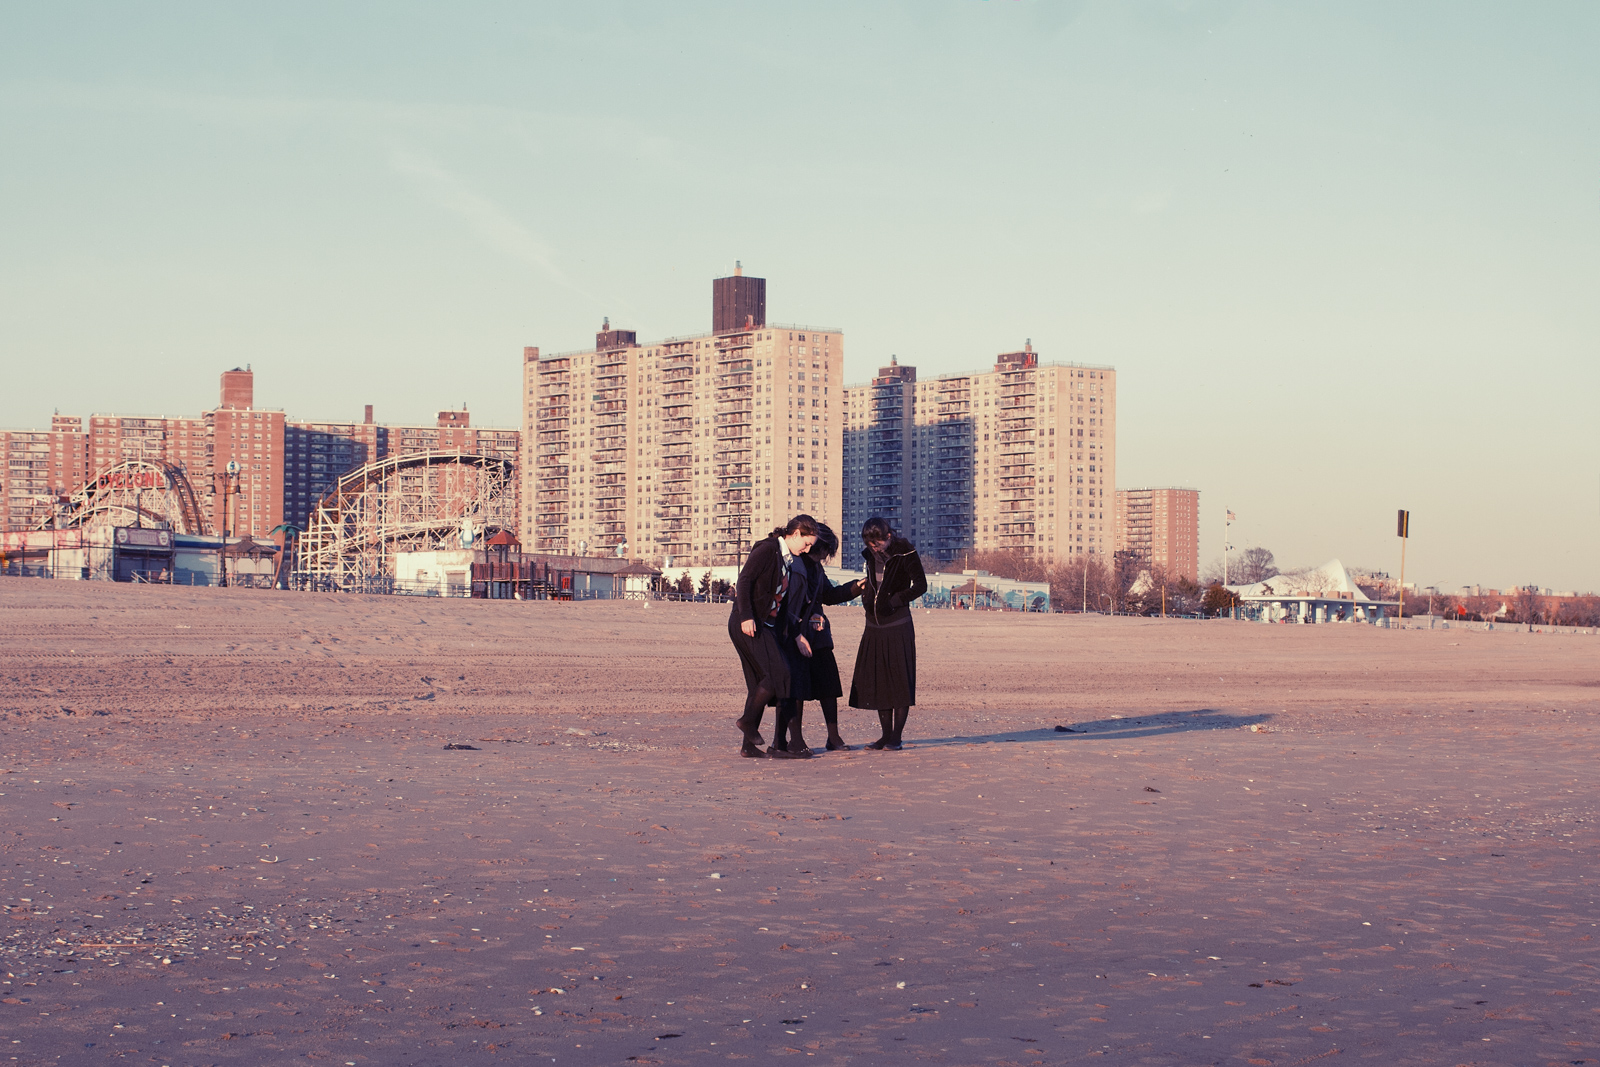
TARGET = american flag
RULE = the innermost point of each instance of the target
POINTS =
(1232, 517)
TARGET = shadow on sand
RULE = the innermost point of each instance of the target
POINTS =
(1113, 729)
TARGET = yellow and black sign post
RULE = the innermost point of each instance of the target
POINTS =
(1403, 528)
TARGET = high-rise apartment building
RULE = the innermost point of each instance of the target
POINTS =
(40, 466)
(1162, 528)
(689, 447)
(1019, 458)
(284, 465)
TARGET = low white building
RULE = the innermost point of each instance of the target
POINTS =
(443, 572)
(1321, 594)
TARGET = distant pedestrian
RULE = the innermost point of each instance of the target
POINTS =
(761, 628)
(816, 675)
(886, 663)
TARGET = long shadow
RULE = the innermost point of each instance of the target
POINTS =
(1115, 729)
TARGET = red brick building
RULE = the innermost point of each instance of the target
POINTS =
(283, 465)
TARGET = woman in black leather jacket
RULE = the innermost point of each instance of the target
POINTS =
(886, 663)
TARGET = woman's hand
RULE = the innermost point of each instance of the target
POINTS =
(748, 627)
(803, 645)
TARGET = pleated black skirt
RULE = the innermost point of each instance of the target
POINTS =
(822, 676)
(886, 665)
(764, 664)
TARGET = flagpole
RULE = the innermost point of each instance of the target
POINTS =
(1227, 522)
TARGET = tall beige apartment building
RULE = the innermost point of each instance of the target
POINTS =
(688, 448)
(1022, 457)
(1162, 528)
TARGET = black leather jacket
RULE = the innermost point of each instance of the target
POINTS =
(903, 581)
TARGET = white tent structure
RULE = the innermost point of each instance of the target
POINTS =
(1321, 594)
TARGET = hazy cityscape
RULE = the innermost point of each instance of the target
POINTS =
(683, 452)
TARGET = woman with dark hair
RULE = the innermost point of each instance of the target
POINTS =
(816, 675)
(759, 625)
(886, 664)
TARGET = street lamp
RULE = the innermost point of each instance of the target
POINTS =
(1107, 597)
(230, 487)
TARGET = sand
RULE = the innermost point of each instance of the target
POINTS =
(233, 833)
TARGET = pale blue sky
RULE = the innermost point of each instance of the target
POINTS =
(1337, 252)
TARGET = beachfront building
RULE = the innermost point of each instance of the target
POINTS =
(685, 448)
(1161, 527)
(1022, 458)
(1320, 594)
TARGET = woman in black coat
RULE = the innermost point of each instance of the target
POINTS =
(886, 664)
(816, 675)
(759, 624)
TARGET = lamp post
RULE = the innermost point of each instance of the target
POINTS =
(230, 487)
(1107, 598)
(1227, 523)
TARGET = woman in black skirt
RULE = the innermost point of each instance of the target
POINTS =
(816, 675)
(886, 664)
(759, 625)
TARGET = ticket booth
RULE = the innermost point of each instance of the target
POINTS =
(140, 554)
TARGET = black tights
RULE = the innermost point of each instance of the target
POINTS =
(755, 706)
(893, 721)
(787, 734)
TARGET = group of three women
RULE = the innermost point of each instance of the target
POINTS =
(785, 643)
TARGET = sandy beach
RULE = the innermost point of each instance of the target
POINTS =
(234, 833)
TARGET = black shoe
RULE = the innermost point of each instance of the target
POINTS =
(892, 746)
(784, 753)
(879, 744)
(839, 746)
(749, 751)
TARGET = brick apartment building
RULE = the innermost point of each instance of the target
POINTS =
(1018, 458)
(39, 466)
(284, 465)
(1161, 527)
(687, 447)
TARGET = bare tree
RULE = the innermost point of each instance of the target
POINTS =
(1125, 570)
(1159, 592)
(1247, 568)
(1486, 606)
(1254, 565)
(1078, 583)
(1528, 604)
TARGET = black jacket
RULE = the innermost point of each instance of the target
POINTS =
(759, 579)
(823, 593)
(903, 581)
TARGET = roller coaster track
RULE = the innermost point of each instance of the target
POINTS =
(135, 492)
(403, 503)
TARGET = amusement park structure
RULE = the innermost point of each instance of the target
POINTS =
(136, 492)
(414, 502)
